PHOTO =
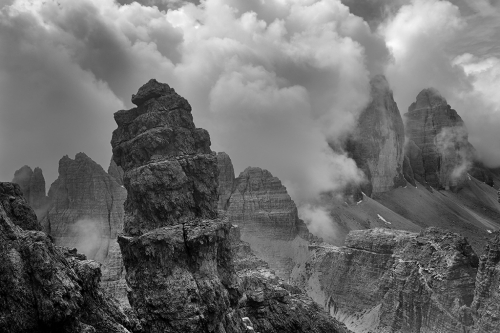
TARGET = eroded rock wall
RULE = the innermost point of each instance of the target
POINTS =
(87, 213)
(46, 288)
(444, 154)
(178, 254)
(377, 142)
(395, 281)
(268, 219)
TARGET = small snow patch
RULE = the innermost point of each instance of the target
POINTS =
(360, 201)
(384, 220)
(363, 193)
(469, 177)
(489, 231)
(405, 186)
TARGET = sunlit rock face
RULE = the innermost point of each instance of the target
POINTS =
(377, 142)
(87, 213)
(46, 288)
(226, 180)
(444, 154)
(177, 253)
(32, 184)
(395, 281)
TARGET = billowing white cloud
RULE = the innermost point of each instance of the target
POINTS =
(273, 82)
(425, 39)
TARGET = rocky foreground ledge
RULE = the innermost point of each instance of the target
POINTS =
(179, 256)
(46, 288)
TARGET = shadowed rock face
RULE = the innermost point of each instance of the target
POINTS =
(32, 185)
(396, 281)
(178, 255)
(116, 172)
(486, 305)
(87, 213)
(377, 143)
(226, 180)
(444, 154)
(46, 288)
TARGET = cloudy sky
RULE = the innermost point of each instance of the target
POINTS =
(273, 81)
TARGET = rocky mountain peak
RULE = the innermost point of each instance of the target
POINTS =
(428, 98)
(437, 142)
(377, 141)
(158, 143)
(150, 90)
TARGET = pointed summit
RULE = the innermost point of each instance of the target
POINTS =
(428, 98)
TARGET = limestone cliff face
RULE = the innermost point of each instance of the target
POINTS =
(377, 143)
(32, 185)
(87, 213)
(178, 255)
(268, 219)
(444, 154)
(46, 288)
(486, 305)
(395, 281)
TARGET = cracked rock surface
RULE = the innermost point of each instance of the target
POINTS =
(178, 255)
(46, 288)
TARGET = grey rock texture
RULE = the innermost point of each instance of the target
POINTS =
(377, 142)
(178, 255)
(32, 185)
(268, 219)
(226, 180)
(46, 288)
(115, 171)
(486, 305)
(87, 213)
(441, 137)
(271, 304)
(395, 281)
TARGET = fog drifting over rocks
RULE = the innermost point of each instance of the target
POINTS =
(274, 82)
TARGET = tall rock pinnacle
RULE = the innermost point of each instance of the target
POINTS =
(377, 143)
(438, 147)
(178, 255)
(158, 144)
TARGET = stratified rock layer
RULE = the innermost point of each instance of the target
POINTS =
(486, 305)
(32, 185)
(396, 281)
(87, 213)
(178, 256)
(268, 219)
(377, 142)
(444, 153)
(45, 288)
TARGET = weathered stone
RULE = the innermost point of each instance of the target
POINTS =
(486, 305)
(440, 134)
(115, 171)
(87, 213)
(396, 281)
(226, 180)
(16, 207)
(178, 256)
(32, 185)
(45, 288)
(377, 142)
(408, 171)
